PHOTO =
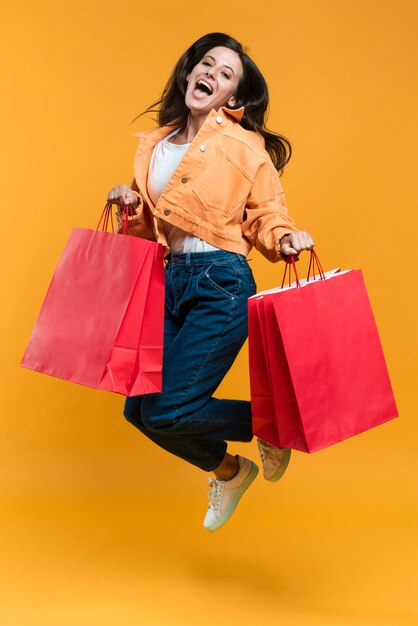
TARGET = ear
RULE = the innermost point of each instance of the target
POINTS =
(187, 77)
(231, 101)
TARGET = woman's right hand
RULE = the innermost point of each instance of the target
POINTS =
(123, 196)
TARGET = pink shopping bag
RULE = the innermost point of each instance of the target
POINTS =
(101, 323)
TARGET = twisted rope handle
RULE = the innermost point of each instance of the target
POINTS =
(312, 261)
(107, 217)
(291, 264)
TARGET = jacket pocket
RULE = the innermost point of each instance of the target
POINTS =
(224, 188)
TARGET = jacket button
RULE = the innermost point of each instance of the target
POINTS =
(167, 211)
(219, 120)
(202, 148)
(184, 179)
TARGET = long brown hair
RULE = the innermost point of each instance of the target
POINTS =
(252, 93)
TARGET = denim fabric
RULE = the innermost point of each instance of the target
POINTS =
(205, 327)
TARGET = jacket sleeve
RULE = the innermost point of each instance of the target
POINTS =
(140, 223)
(266, 218)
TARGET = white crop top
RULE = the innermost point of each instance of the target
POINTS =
(164, 160)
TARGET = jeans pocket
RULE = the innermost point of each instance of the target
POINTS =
(223, 278)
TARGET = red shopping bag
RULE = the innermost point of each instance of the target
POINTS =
(327, 373)
(262, 402)
(101, 323)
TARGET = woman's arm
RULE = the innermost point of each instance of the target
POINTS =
(296, 242)
(124, 196)
(128, 199)
(266, 220)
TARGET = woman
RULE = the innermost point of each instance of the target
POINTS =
(206, 186)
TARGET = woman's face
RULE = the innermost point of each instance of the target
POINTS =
(213, 82)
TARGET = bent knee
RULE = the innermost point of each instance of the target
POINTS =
(156, 417)
(132, 409)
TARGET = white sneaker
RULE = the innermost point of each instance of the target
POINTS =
(225, 494)
(274, 460)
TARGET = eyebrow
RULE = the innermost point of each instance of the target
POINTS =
(213, 59)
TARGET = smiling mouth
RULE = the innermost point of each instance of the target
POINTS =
(203, 87)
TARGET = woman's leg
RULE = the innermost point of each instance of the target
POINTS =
(207, 300)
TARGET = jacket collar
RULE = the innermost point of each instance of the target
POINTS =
(237, 114)
(156, 134)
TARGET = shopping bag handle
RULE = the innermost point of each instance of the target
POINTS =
(314, 260)
(291, 264)
(107, 217)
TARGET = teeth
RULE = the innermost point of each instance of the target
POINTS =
(203, 82)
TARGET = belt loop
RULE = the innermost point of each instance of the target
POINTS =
(188, 264)
(241, 258)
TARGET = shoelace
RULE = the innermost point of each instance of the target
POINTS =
(215, 493)
(266, 450)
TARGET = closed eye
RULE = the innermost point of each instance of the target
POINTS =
(225, 74)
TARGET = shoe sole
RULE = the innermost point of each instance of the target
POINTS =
(283, 467)
(233, 504)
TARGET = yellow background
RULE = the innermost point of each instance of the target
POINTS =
(98, 526)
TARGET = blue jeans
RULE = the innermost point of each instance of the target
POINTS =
(204, 329)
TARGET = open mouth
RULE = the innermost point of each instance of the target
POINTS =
(203, 88)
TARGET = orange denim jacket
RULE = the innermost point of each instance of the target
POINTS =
(225, 190)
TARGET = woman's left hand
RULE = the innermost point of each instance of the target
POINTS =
(296, 242)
